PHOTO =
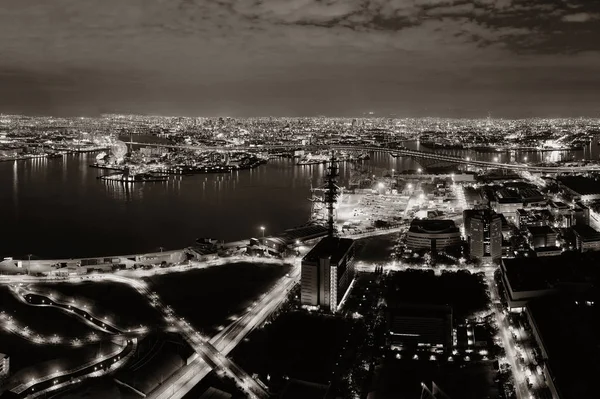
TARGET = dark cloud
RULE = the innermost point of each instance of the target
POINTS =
(296, 57)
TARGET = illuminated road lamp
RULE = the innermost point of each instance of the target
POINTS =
(419, 170)
(495, 159)
(262, 228)
(525, 158)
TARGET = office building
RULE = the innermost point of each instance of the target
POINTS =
(587, 238)
(420, 325)
(541, 236)
(582, 214)
(484, 234)
(4, 365)
(432, 234)
(327, 271)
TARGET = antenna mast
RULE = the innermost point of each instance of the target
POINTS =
(332, 191)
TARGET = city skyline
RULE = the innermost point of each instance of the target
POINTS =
(513, 59)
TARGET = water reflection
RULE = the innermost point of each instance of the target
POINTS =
(15, 185)
(125, 217)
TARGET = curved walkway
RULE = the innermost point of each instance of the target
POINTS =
(35, 299)
(94, 368)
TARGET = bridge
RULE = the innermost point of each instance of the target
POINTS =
(396, 152)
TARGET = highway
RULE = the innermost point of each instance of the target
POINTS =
(197, 341)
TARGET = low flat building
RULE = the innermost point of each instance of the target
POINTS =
(567, 334)
(525, 279)
(432, 234)
(298, 389)
(541, 236)
(419, 325)
(214, 393)
(582, 214)
(580, 187)
(587, 238)
(327, 271)
(548, 251)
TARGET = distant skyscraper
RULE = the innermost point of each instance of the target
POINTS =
(485, 235)
(327, 271)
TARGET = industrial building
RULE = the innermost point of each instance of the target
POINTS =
(483, 229)
(432, 234)
(580, 187)
(541, 236)
(420, 325)
(587, 238)
(327, 271)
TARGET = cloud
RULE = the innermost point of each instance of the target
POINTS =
(458, 9)
(224, 48)
(580, 17)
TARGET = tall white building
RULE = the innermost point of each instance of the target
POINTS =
(327, 271)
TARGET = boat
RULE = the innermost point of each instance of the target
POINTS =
(138, 178)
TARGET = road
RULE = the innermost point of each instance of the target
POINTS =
(198, 342)
(521, 388)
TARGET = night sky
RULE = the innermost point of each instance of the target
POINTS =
(507, 58)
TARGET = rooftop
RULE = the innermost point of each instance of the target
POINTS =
(540, 230)
(419, 310)
(304, 232)
(580, 184)
(433, 226)
(296, 389)
(214, 393)
(586, 232)
(558, 205)
(538, 273)
(329, 247)
(571, 338)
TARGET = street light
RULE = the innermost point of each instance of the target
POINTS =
(262, 228)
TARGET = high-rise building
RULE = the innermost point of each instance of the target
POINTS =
(327, 271)
(4, 365)
(485, 235)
